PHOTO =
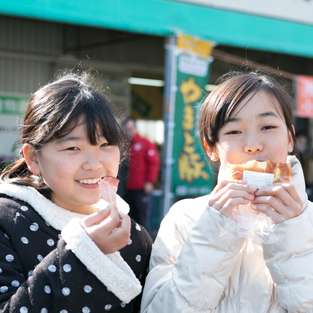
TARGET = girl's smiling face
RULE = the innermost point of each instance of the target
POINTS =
(72, 167)
(255, 130)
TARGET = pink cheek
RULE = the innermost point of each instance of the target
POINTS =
(63, 171)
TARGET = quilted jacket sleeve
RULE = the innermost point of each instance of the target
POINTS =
(189, 267)
(290, 261)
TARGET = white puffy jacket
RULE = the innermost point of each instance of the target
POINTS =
(193, 270)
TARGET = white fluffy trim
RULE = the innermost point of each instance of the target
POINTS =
(54, 215)
(110, 269)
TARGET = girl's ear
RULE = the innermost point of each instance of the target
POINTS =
(31, 159)
(290, 140)
(213, 155)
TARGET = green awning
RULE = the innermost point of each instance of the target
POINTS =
(164, 17)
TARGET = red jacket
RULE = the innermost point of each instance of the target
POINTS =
(144, 163)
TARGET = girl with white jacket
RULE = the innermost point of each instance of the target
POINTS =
(192, 268)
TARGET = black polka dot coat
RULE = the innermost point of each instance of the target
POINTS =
(49, 264)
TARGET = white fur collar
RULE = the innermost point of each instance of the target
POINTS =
(54, 215)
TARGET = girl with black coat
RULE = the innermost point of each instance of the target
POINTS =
(62, 248)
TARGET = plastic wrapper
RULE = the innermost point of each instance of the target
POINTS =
(244, 220)
(108, 188)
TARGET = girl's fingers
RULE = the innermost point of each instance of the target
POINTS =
(231, 203)
(226, 186)
(96, 218)
(290, 188)
(224, 183)
(121, 235)
(228, 194)
(279, 201)
(236, 186)
(113, 231)
(274, 204)
(283, 191)
(115, 219)
(105, 220)
(125, 221)
(276, 217)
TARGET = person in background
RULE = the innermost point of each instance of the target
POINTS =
(143, 170)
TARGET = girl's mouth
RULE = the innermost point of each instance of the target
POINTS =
(93, 181)
(89, 181)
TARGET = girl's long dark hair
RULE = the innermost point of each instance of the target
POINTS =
(55, 110)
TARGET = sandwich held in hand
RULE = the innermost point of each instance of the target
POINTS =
(244, 220)
(280, 172)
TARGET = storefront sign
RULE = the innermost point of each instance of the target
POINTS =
(13, 105)
(305, 96)
(12, 110)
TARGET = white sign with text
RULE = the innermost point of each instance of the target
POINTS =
(9, 135)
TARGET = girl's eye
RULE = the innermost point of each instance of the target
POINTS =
(233, 132)
(72, 149)
(269, 127)
(105, 144)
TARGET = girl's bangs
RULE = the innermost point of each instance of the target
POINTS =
(102, 124)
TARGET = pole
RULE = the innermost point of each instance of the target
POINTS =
(170, 90)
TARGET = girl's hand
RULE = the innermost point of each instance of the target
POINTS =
(279, 201)
(229, 193)
(111, 235)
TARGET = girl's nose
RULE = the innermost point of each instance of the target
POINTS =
(92, 162)
(253, 145)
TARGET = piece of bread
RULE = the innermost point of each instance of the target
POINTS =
(281, 171)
